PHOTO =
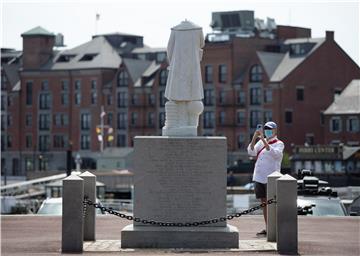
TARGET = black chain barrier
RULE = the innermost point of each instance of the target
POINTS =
(176, 224)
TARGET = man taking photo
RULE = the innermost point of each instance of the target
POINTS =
(268, 150)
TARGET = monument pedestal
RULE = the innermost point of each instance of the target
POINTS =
(179, 179)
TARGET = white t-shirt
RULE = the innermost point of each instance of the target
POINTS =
(268, 161)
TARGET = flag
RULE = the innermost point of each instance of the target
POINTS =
(102, 114)
(97, 16)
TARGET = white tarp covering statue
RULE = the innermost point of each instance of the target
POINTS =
(184, 88)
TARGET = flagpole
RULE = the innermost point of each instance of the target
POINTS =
(102, 129)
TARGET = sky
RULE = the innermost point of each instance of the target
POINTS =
(76, 19)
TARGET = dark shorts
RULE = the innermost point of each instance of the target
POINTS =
(260, 190)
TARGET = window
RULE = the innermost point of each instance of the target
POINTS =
(322, 118)
(44, 122)
(77, 85)
(222, 117)
(163, 77)
(85, 120)
(65, 85)
(222, 73)
(222, 97)
(9, 141)
(3, 142)
(61, 120)
(29, 164)
(255, 96)
(88, 57)
(151, 99)
(122, 120)
(241, 141)
(9, 100)
(134, 118)
(45, 85)
(122, 99)
(110, 119)
(135, 99)
(93, 97)
(85, 141)
(309, 139)
(3, 122)
(162, 98)
(268, 96)
(64, 99)
(43, 163)
(208, 74)
(28, 141)
(267, 116)
(9, 120)
(150, 119)
(77, 98)
(288, 116)
(300, 93)
(256, 73)
(209, 97)
(59, 141)
(240, 97)
(161, 119)
(353, 124)
(209, 119)
(29, 93)
(44, 142)
(15, 167)
(109, 99)
(3, 102)
(160, 56)
(255, 118)
(297, 49)
(121, 140)
(93, 84)
(335, 124)
(240, 118)
(123, 79)
(44, 101)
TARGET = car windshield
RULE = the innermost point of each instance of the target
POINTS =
(55, 208)
(323, 206)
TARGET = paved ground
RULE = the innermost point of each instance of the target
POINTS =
(38, 235)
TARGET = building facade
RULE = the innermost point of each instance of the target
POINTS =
(55, 101)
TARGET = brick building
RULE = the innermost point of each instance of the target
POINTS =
(252, 72)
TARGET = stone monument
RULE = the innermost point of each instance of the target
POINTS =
(181, 177)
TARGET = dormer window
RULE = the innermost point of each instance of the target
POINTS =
(65, 57)
(256, 73)
(300, 49)
(123, 79)
(88, 57)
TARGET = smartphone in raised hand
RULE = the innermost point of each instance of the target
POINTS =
(259, 127)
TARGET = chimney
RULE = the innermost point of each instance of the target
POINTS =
(329, 35)
(38, 46)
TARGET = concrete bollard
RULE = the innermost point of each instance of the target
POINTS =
(271, 209)
(286, 218)
(90, 193)
(72, 214)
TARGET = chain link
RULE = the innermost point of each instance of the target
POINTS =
(178, 224)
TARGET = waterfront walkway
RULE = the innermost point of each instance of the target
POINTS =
(40, 235)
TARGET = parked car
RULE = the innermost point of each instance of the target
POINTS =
(322, 205)
(53, 206)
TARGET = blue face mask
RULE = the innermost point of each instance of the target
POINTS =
(268, 133)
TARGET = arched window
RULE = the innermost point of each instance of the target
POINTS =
(163, 77)
(123, 79)
(256, 73)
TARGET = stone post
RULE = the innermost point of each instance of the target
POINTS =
(90, 193)
(271, 209)
(72, 214)
(286, 218)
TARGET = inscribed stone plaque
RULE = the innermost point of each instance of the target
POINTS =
(180, 179)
